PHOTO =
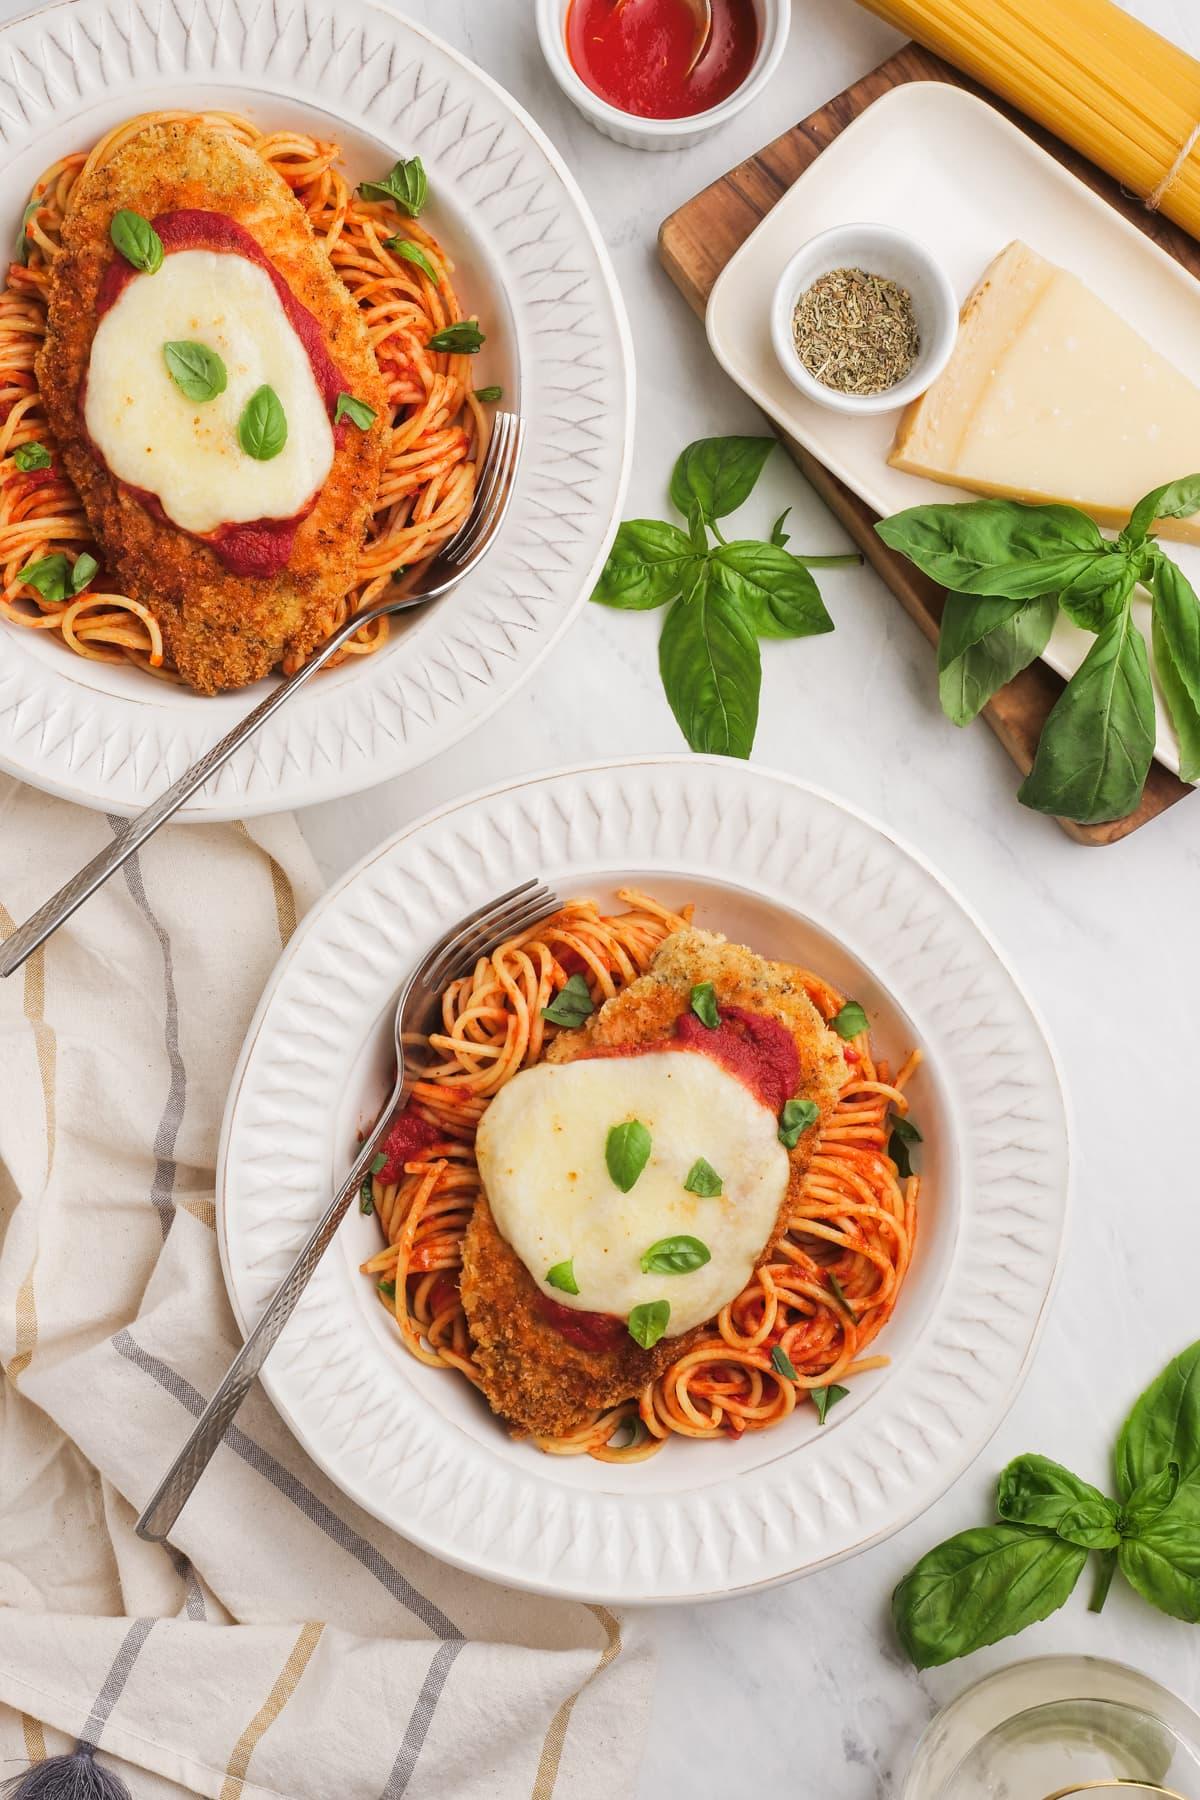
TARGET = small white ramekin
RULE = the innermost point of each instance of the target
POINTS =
(881, 250)
(774, 19)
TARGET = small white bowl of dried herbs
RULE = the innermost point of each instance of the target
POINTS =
(863, 318)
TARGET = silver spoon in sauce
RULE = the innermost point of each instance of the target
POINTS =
(702, 15)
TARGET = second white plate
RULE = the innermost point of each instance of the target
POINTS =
(933, 160)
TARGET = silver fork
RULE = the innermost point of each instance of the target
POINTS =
(493, 492)
(417, 1011)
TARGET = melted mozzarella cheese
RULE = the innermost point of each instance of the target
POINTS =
(187, 452)
(541, 1150)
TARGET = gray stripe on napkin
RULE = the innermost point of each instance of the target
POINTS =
(314, 1509)
(115, 1680)
(418, 1724)
(163, 1186)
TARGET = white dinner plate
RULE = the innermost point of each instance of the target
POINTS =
(933, 160)
(529, 259)
(795, 874)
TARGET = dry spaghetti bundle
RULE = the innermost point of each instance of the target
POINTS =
(814, 1308)
(1100, 80)
(428, 479)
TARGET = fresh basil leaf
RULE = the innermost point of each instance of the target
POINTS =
(711, 670)
(797, 1116)
(562, 1277)
(406, 185)
(489, 395)
(979, 1587)
(1163, 1561)
(50, 576)
(1164, 1428)
(645, 566)
(778, 534)
(137, 240)
(366, 1197)
(1176, 634)
(704, 1004)
(675, 1256)
(31, 456)
(1035, 1491)
(83, 571)
(1175, 500)
(1149, 1499)
(782, 1363)
(357, 411)
(903, 1133)
(985, 640)
(378, 1163)
(197, 371)
(262, 428)
(825, 1397)
(996, 546)
(839, 1294)
(697, 532)
(648, 1322)
(462, 339)
(387, 1289)
(1096, 745)
(719, 473)
(572, 1004)
(413, 253)
(703, 1179)
(778, 594)
(1185, 714)
(24, 246)
(626, 1152)
(1099, 592)
(1106, 1568)
(851, 1021)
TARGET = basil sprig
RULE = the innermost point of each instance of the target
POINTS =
(991, 1582)
(723, 597)
(1009, 569)
(137, 240)
(56, 578)
(626, 1152)
(572, 1004)
(406, 185)
(197, 371)
(262, 428)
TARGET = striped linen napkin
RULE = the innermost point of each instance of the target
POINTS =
(287, 1645)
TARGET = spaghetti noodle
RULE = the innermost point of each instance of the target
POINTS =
(428, 478)
(828, 1288)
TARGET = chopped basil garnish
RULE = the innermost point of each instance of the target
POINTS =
(388, 1289)
(262, 428)
(489, 394)
(412, 253)
(781, 1362)
(675, 1256)
(704, 1004)
(463, 339)
(406, 185)
(627, 1151)
(824, 1398)
(54, 578)
(904, 1133)
(31, 456)
(648, 1322)
(366, 1199)
(850, 1021)
(23, 245)
(839, 1294)
(572, 1004)
(562, 1276)
(378, 1161)
(137, 240)
(796, 1117)
(197, 371)
(357, 411)
(703, 1179)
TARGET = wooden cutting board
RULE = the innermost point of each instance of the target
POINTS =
(696, 242)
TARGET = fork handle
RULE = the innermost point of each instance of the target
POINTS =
(175, 1488)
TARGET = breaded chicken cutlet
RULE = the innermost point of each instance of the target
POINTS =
(221, 630)
(532, 1377)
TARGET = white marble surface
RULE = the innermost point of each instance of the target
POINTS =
(802, 1691)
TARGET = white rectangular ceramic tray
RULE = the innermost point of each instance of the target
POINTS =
(950, 169)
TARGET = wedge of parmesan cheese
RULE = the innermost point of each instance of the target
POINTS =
(1049, 395)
